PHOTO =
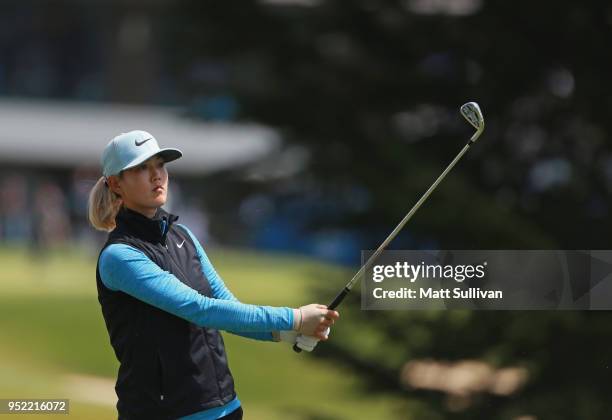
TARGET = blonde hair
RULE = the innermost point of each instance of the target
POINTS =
(103, 205)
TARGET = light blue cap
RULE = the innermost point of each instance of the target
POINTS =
(131, 149)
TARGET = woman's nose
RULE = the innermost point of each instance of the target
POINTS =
(156, 173)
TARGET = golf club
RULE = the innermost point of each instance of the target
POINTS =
(472, 113)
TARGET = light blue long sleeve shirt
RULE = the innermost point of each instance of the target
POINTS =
(127, 269)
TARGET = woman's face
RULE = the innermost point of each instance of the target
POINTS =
(143, 188)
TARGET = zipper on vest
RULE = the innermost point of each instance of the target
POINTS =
(164, 227)
(161, 377)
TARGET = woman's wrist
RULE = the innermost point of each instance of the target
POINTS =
(297, 319)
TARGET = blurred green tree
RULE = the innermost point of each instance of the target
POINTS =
(372, 89)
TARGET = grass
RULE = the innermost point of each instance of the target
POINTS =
(52, 329)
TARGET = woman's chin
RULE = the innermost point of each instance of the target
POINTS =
(159, 201)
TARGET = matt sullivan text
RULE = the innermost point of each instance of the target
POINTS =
(431, 293)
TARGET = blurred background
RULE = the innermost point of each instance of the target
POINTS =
(310, 127)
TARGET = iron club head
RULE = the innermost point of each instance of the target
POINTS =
(472, 113)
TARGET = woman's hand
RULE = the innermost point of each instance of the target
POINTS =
(313, 320)
(305, 342)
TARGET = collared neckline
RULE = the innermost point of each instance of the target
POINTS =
(152, 229)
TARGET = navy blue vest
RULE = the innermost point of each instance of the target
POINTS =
(169, 367)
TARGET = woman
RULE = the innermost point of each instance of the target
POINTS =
(163, 302)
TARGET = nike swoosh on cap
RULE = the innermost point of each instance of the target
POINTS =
(142, 142)
(181, 245)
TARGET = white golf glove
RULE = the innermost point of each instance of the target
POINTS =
(305, 342)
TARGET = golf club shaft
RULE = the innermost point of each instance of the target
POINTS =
(340, 297)
(398, 228)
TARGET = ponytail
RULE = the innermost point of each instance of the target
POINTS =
(103, 206)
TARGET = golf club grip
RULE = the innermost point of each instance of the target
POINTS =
(337, 301)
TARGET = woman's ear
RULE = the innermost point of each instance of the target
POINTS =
(113, 184)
